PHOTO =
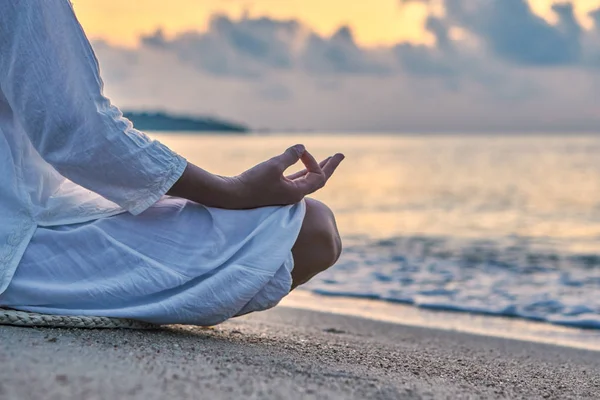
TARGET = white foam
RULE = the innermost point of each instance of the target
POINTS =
(495, 278)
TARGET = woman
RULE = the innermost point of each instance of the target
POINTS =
(97, 219)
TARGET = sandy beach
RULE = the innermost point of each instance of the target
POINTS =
(289, 353)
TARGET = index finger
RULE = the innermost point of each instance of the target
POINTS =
(300, 174)
(311, 164)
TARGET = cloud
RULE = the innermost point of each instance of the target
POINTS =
(424, 60)
(511, 30)
(596, 17)
(591, 42)
(339, 54)
(509, 70)
(249, 48)
(241, 48)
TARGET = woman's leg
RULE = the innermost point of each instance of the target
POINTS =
(178, 262)
(318, 246)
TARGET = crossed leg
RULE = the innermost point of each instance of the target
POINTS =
(318, 246)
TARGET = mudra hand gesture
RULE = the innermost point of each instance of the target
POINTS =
(263, 185)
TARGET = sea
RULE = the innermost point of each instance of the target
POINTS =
(499, 225)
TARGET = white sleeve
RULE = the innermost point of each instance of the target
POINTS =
(50, 77)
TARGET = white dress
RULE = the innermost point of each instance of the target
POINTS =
(177, 262)
(85, 227)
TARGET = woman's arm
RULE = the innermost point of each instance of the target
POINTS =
(50, 77)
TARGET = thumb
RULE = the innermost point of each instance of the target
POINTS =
(290, 156)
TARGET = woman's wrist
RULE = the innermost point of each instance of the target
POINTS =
(202, 187)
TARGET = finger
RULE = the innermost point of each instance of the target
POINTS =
(331, 166)
(325, 161)
(290, 156)
(310, 183)
(300, 174)
(311, 164)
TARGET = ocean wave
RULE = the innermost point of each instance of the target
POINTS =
(511, 277)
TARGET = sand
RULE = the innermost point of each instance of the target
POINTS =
(288, 353)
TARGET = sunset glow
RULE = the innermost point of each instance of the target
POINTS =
(377, 22)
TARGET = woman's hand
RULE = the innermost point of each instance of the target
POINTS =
(260, 186)
(266, 185)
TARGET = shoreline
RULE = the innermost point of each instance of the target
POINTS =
(476, 324)
(289, 353)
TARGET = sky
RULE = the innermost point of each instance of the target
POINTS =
(376, 22)
(382, 65)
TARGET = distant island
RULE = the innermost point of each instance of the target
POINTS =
(161, 121)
